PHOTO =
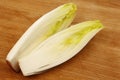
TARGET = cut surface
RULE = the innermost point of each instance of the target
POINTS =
(49, 24)
(59, 47)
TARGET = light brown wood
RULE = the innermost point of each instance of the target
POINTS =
(99, 60)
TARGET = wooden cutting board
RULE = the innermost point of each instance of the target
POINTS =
(99, 60)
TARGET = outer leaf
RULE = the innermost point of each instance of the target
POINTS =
(59, 48)
(51, 23)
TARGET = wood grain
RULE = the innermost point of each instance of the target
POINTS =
(99, 60)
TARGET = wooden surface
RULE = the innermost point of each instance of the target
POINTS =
(99, 60)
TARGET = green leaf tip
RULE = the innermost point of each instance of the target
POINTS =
(70, 5)
(67, 18)
(81, 30)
